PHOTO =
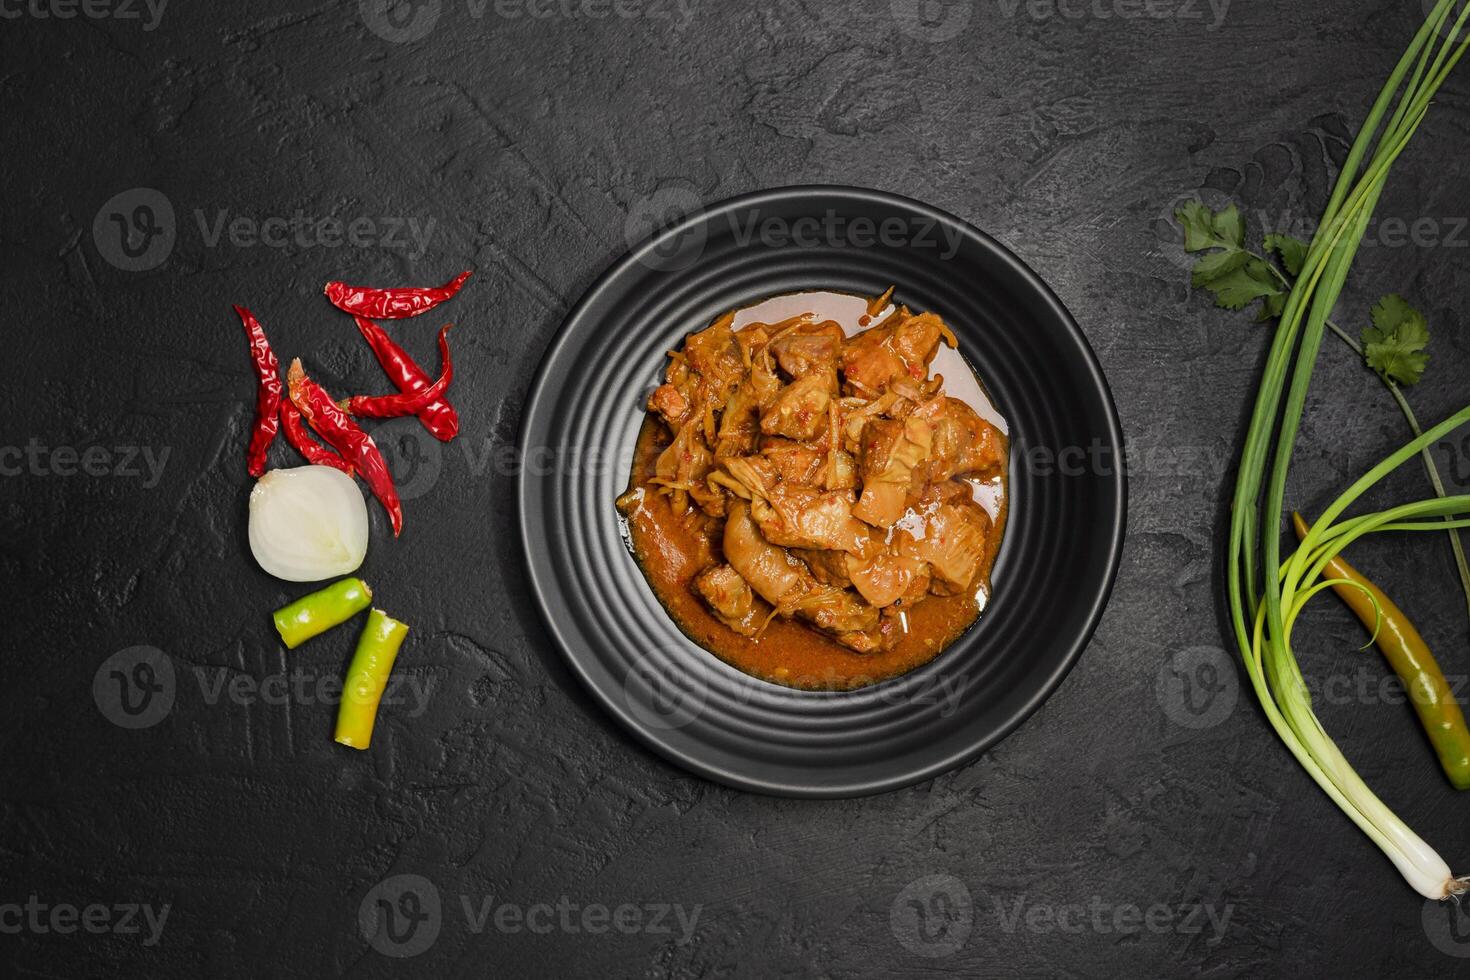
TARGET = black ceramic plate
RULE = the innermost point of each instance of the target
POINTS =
(1056, 565)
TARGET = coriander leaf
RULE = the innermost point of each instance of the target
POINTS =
(1272, 307)
(1250, 280)
(1229, 227)
(1293, 252)
(1394, 345)
(1236, 276)
(1198, 224)
(1204, 228)
(1216, 264)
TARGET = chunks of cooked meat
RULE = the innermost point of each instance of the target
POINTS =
(779, 578)
(829, 567)
(869, 364)
(730, 598)
(799, 517)
(794, 516)
(681, 468)
(739, 427)
(886, 579)
(893, 454)
(964, 443)
(701, 376)
(900, 347)
(916, 340)
(670, 402)
(953, 540)
(786, 583)
(799, 410)
(829, 472)
(715, 356)
(809, 348)
(796, 462)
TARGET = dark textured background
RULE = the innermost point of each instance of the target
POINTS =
(532, 145)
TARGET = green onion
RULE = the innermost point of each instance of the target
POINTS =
(1264, 606)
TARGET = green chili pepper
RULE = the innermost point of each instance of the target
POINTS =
(1409, 656)
(320, 611)
(367, 677)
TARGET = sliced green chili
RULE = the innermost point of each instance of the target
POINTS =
(320, 611)
(367, 677)
(1409, 656)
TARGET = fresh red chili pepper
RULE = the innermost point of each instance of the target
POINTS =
(304, 444)
(392, 304)
(267, 396)
(404, 402)
(345, 436)
(439, 417)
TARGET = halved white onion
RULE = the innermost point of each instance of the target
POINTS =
(308, 523)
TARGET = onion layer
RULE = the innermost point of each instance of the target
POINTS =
(308, 523)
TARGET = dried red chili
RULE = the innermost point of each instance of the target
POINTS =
(405, 402)
(392, 304)
(345, 436)
(439, 417)
(304, 444)
(267, 396)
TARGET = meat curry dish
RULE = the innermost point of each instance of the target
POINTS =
(803, 502)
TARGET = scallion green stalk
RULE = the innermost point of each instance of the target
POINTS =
(1264, 606)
